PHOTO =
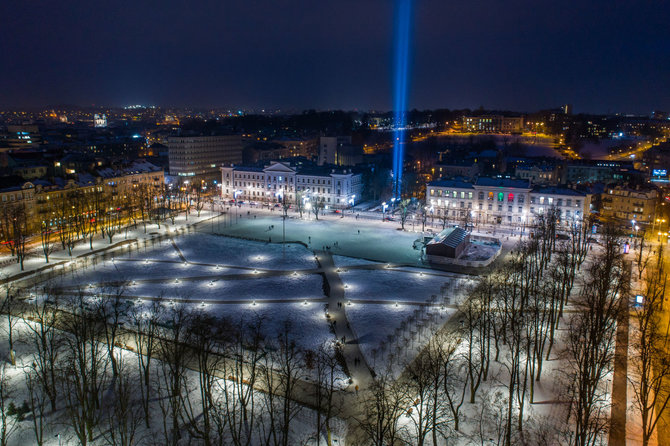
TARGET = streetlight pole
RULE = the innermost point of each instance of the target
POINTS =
(283, 223)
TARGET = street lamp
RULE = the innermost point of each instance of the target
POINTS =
(236, 194)
(280, 197)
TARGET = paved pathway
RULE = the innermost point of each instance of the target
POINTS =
(617, 434)
(360, 372)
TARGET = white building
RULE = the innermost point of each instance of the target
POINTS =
(338, 187)
(100, 121)
(503, 201)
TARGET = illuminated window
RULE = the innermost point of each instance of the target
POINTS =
(500, 196)
(510, 198)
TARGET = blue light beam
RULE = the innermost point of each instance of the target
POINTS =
(402, 23)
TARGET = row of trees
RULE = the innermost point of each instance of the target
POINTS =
(195, 376)
(82, 214)
(509, 320)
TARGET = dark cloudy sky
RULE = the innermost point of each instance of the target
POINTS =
(598, 55)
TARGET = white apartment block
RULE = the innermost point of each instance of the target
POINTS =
(338, 187)
(503, 201)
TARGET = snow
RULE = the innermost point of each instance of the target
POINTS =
(372, 242)
(391, 285)
(57, 424)
(376, 324)
(341, 261)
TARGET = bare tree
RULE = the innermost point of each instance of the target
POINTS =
(110, 220)
(38, 403)
(124, 417)
(425, 386)
(8, 307)
(174, 350)
(243, 345)
(145, 325)
(47, 241)
(8, 424)
(110, 310)
(199, 200)
(383, 405)
(443, 217)
(85, 368)
(317, 206)
(403, 210)
(199, 417)
(454, 377)
(47, 344)
(591, 338)
(327, 368)
(299, 204)
(650, 374)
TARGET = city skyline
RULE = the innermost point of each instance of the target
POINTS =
(599, 57)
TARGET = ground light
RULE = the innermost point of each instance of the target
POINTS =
(305, 302)
(253, 304)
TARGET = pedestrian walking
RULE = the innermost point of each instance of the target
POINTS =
(359, 232)
(356, 389)
(310, 239)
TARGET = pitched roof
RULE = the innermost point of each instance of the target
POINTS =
(451, 237)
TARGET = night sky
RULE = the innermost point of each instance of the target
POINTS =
(601, 56)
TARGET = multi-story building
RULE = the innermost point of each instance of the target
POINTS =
(40, 196)
(198, 158)
(23, 136)
(329, 147)
(503, 201)
(492, 124)
(571, 204)
(592, 172)
(538, 174)
(276, 180)
(624, 204)
(466, 168)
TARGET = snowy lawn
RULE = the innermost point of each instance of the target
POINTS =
(391, 285)
(372, 242)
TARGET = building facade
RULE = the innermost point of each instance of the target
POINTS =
(503, 201)
(492, 124)
(42, 198)
(198, 158)
(329, 147)
(623, 204)
(338, 187)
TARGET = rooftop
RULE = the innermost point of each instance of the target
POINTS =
(451, 237)
(502, 182)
